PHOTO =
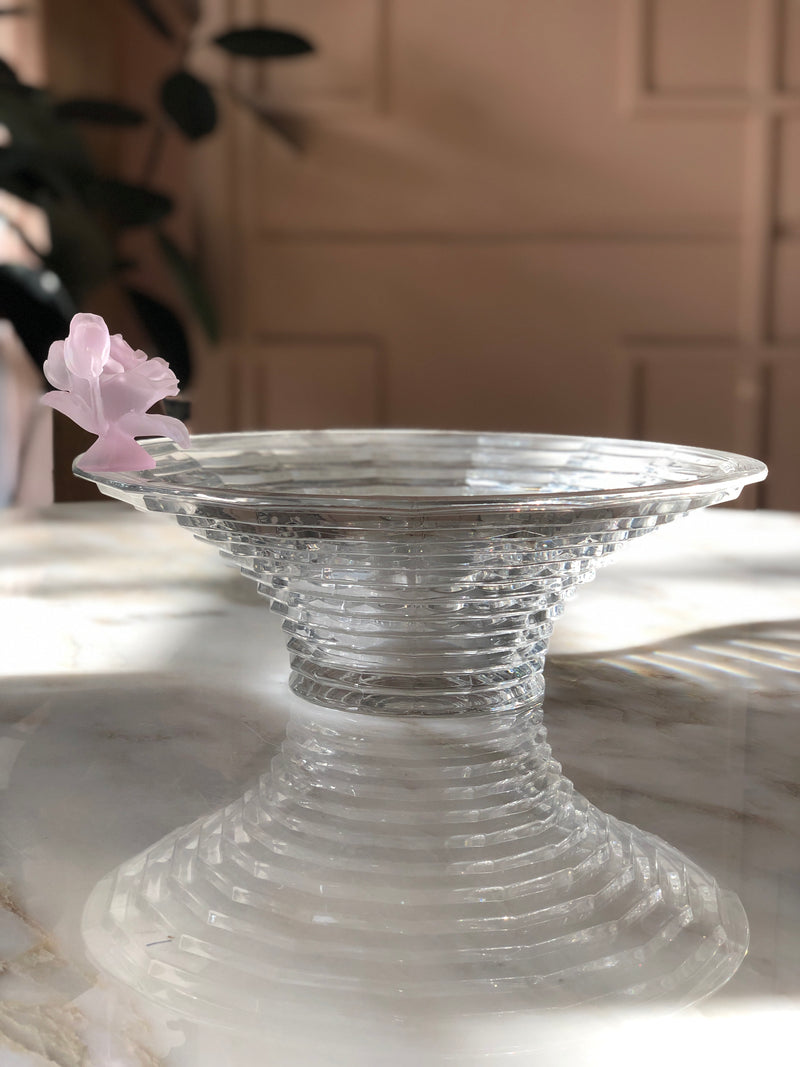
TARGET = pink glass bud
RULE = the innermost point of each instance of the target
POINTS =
(107, 387)
(87, 348)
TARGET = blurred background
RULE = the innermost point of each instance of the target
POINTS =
(579, 216)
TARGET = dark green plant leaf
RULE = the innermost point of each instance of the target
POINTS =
(38, 306)
(151, 14)
(191, 285)
(107, 112)
(190, 104)
(129, 205)
(34, 175)
(261, 42)
(20, 175)
(166, 332)
(33, 125)
(8, 76)
(81, 252)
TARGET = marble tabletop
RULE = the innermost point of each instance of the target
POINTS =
(143, 683)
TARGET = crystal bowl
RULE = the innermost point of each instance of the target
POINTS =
(414, 856)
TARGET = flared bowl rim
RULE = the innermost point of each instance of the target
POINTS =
(720, 475)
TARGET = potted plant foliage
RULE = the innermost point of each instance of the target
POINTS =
(44, 162)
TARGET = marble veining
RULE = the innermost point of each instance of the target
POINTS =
(143, 684)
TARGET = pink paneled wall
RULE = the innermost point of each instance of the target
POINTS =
(518, 214)
(579, 216)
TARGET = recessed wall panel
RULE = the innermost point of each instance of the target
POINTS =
(698, 45)
(697, 395)
(506, 335)
(783, 431)
(317, 383)
(502, 117)
(789, 69)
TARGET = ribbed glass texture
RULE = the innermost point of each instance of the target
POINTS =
(414, 850)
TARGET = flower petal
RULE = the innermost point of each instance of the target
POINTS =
(54, 367)
(74, 407)
(150, 425)
(135, 390)
(122, 357)
(158, 370)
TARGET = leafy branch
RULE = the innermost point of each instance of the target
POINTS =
(44, 162)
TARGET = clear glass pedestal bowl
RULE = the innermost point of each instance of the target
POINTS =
(413, 856)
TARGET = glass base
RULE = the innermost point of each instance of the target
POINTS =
(391, 871)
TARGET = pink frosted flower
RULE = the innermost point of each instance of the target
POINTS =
(106, 387)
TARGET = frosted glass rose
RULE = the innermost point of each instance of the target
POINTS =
(106, 387)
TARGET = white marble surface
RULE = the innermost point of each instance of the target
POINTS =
(143, 684)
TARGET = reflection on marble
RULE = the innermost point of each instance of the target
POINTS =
(143, 684)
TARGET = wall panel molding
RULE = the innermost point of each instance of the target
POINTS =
(311, 381)
(720, 395)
